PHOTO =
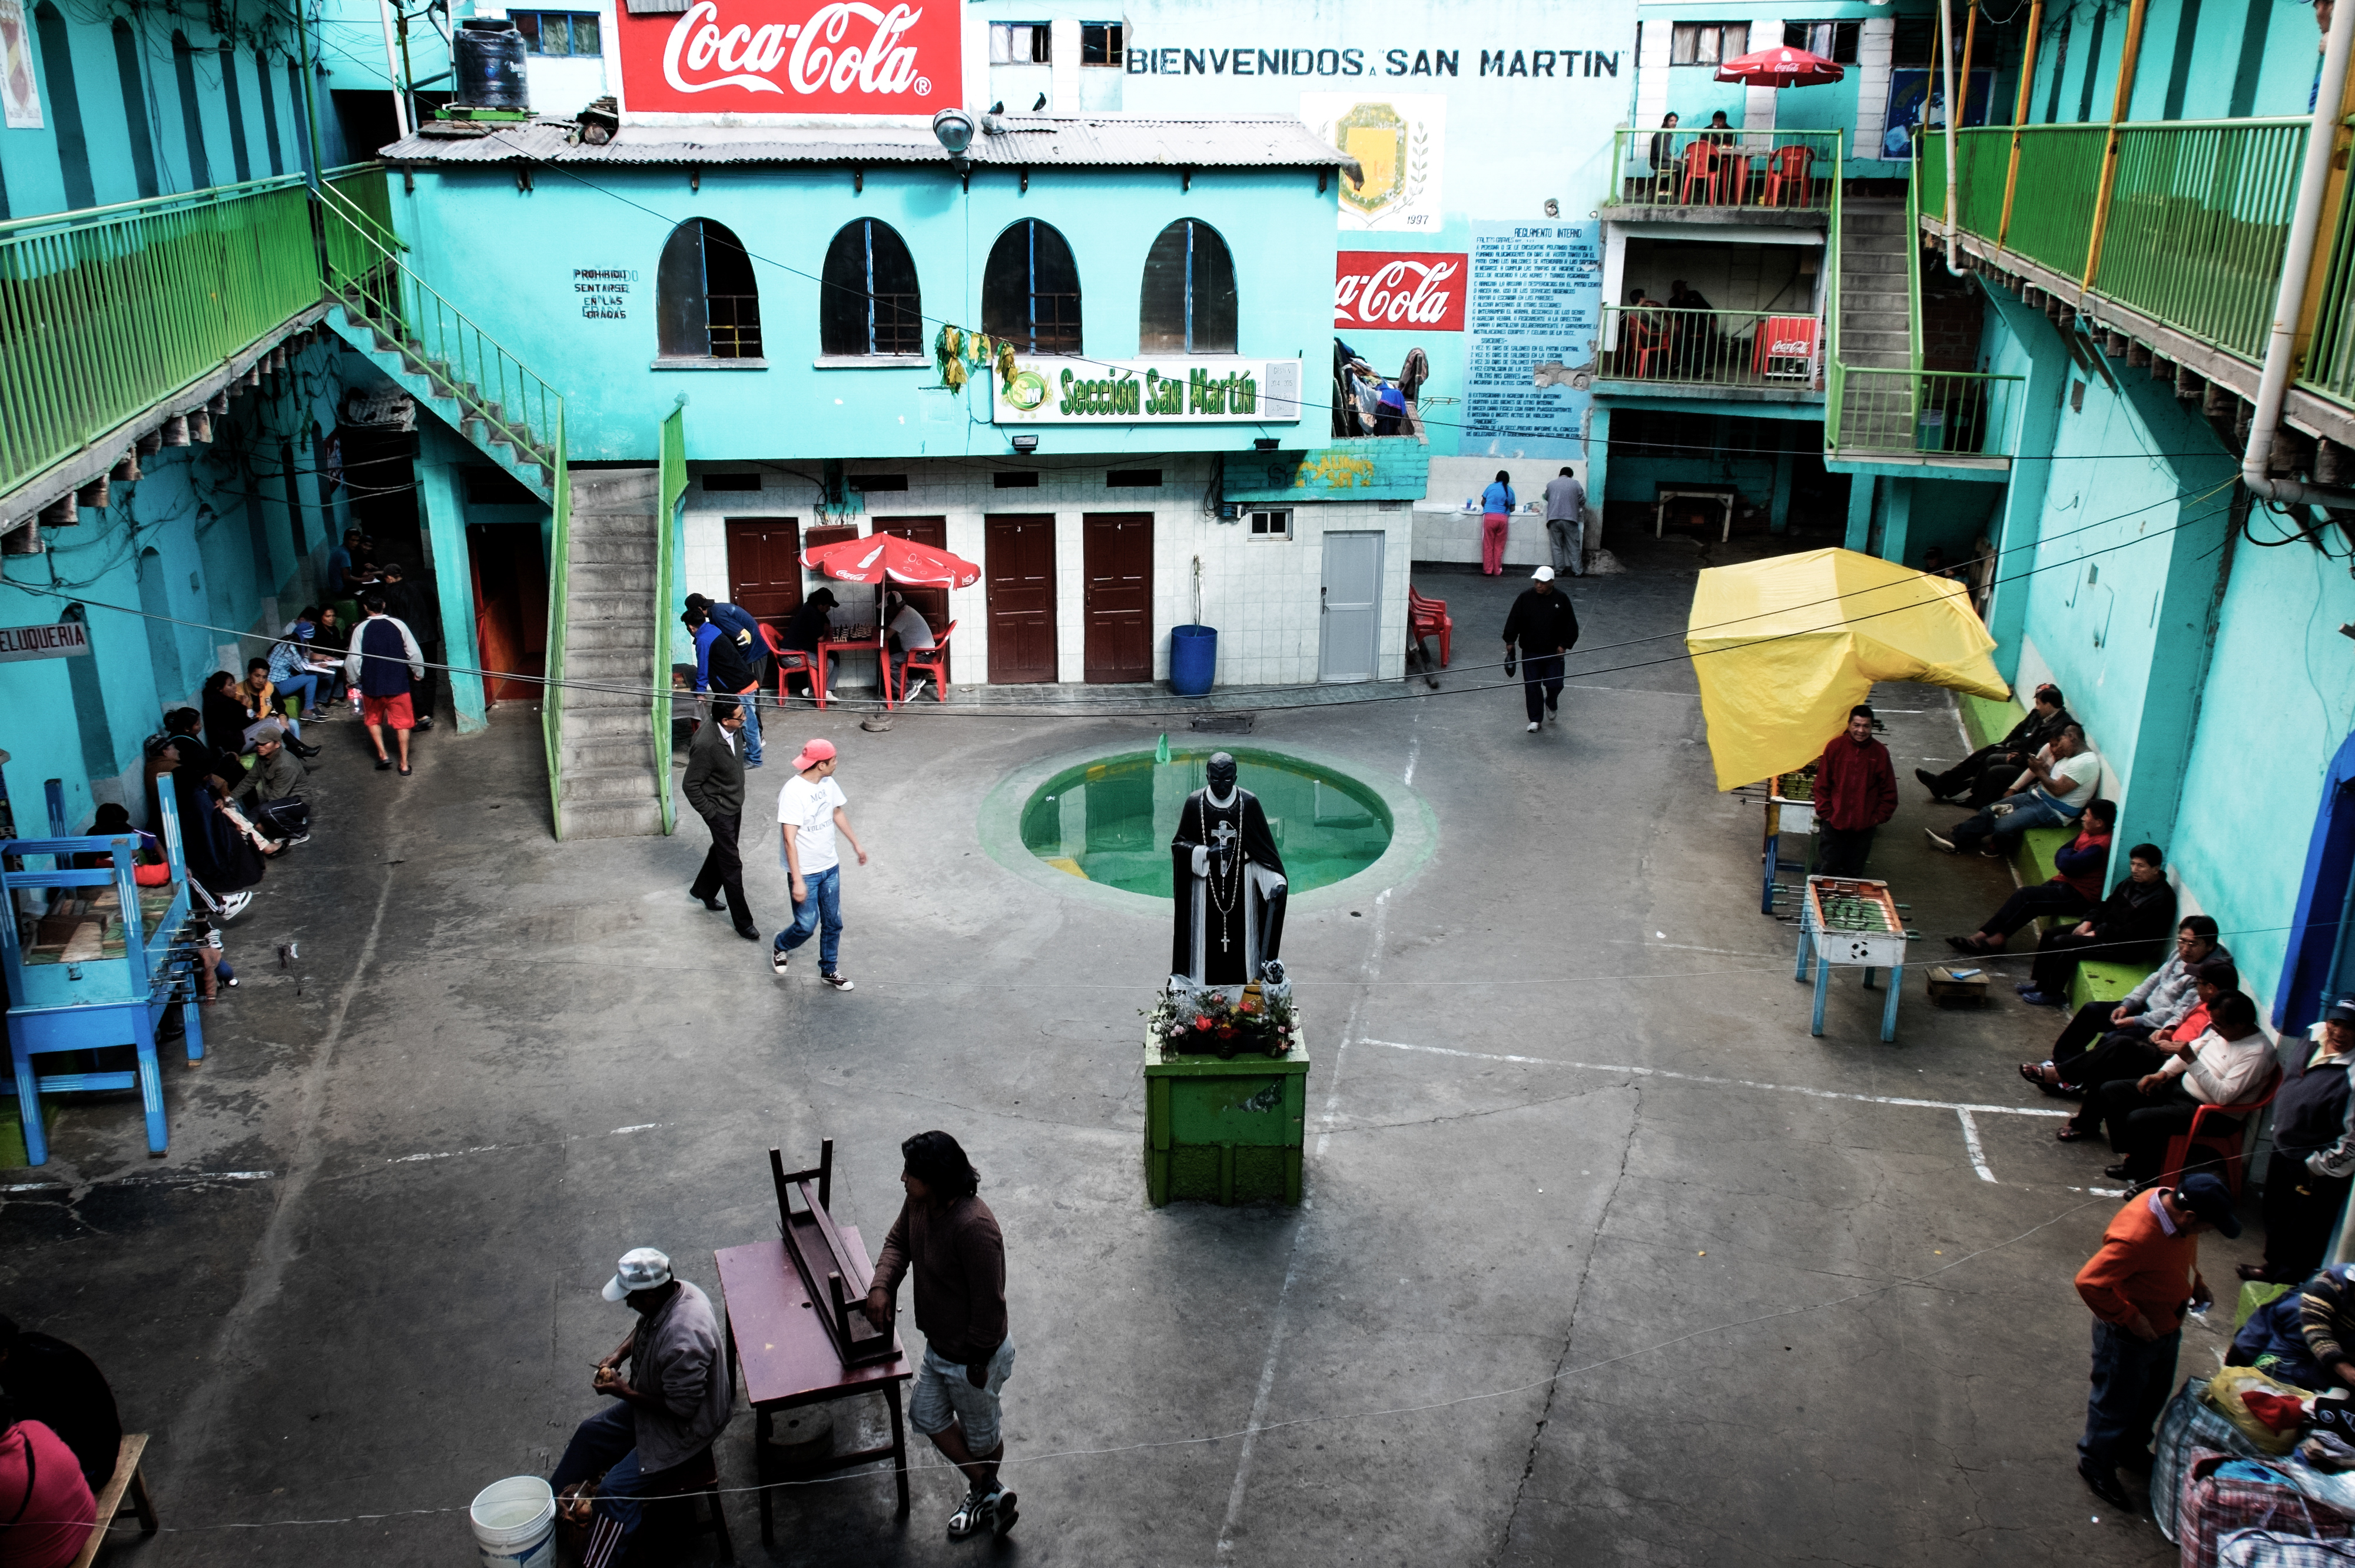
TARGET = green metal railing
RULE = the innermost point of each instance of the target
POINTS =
(1699, 167)
(2330, 355)
(551, 694)
(1718, 348)
(2052, 205)
(435, 338)
(666, 524)
(107, 311)
(1912, 412)
(2198, 218)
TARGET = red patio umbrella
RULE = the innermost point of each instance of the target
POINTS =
(1780, 68)
(880, 556)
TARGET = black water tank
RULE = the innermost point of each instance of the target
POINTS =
(489, 59)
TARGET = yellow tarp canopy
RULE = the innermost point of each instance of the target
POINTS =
(1786, 646)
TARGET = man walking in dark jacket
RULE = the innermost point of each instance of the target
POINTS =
(2313, 1162)
(714, 786)
(384, 663)
(1544, 626)
(722, 666)
(951, 1239)
(1855, 791)
(1983, 776)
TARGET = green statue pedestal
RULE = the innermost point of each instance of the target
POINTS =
(1224, 1131)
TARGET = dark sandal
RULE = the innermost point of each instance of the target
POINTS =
(2034, 1073)
(2064, 1133)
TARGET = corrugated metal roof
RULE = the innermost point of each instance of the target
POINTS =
(1040, 141)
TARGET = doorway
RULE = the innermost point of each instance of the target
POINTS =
(1349, 641)
(764, 568)
(1018, 565)
(932, 603)
(1117, 564)
(510, 610)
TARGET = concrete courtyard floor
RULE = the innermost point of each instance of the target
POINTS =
(1605, 1260)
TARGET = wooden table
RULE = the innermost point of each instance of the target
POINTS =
(774, 1334)
(1724, 496)
(855, 642)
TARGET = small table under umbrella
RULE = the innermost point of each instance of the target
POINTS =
(872, 559)
(1787, 168)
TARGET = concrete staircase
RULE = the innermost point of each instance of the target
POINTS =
(460, 404)
(605, 748)
(1875, 325)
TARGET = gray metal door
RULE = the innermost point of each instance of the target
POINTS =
(1352, 618)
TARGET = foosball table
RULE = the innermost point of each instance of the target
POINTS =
(1790, 802)
(1847, 923)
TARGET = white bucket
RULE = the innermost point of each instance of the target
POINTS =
(514, 1523)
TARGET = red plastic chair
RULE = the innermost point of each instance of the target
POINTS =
(789, 660)
(1425, 616)
(1789, 169)
(1648, 342)
(1700, 168)
(2222, 1145)
(932, 661)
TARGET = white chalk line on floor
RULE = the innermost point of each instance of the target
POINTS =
(1964, 1112)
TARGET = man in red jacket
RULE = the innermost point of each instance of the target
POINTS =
(1855, 791)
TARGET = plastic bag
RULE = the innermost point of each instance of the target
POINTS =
(2274, 1402)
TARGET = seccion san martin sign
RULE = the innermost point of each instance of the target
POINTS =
(1181, 391)
(53, 640)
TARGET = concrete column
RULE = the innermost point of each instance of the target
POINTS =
(1598, 472)
(1778, 511)
(1063, 52)
(440, 456)
(1876, 49)
(1070, 599)
(1859, 512)
(2018, 518)
(1896, 520)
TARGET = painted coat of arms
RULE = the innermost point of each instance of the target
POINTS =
(1398, 144)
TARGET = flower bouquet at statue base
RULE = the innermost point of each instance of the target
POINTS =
(1225, 1021)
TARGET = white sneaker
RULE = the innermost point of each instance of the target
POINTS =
(780, 960)
(234, 905)
(1533, 726)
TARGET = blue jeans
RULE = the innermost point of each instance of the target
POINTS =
(2132, 1380)
(821, 911)
(304, 686)
(2034, 810)
(607, 1441)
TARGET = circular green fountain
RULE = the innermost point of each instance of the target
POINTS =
(1109, 821)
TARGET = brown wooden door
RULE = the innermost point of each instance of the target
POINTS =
(1018, 565)
(932, 603)
(1118, 566)
(505, 564)
(764, 568)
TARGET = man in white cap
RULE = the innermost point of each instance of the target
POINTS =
(1545, 628)
(810, 811)
(677, 1398)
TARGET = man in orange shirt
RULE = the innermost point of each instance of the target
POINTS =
(2136, 1285)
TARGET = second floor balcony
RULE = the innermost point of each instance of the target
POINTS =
(1740, 355)
(1724, 175)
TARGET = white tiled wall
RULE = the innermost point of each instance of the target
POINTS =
(1261, 594)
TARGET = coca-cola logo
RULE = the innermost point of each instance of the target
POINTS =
(1400, 290)
(777, 56)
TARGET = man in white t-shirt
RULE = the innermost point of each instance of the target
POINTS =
(810, 811)
(2058, 782)
(913, 634)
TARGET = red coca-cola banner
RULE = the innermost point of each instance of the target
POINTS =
(792, 57)
(1400, 290)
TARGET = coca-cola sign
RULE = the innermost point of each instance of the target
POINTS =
(792, 57)
(1400, 290)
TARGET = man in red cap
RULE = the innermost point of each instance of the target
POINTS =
(810, 811)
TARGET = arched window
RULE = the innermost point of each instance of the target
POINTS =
(1030, 290)
(869, 303)
(1188, 304)
(706, 305)
(269, 110)
(65, 104)
(134, 109)
(192, 119)
(235, 94)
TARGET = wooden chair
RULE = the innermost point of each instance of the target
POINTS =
(1425, 616)
(1789, 171)
(2223, 1146)
(789, 660)
(932, 661)
(1700, 169)
(126, 1490)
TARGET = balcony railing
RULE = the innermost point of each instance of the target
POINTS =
(2190, 233)
(1915, 413)
(1781, 349)
(1795, 170)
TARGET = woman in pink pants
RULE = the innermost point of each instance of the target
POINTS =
(1496, 511)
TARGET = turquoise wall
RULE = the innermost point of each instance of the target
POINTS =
(2283, 78)
(223, 557)
(465, 228)
(29, 158)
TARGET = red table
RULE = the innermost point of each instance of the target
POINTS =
(775, 1335)
(857, 641)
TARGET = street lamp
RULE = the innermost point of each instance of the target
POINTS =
(954, 128)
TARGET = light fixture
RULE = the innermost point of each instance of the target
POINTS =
(1026, 443)
(954, 128)
(1263, 444)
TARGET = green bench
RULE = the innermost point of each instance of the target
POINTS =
(2034, 862)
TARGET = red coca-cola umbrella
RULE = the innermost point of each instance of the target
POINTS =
(1780, 68)
(882, 555)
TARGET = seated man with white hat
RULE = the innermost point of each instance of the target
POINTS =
(677, 1398)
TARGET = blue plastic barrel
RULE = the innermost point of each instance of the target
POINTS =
(1193, 660)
